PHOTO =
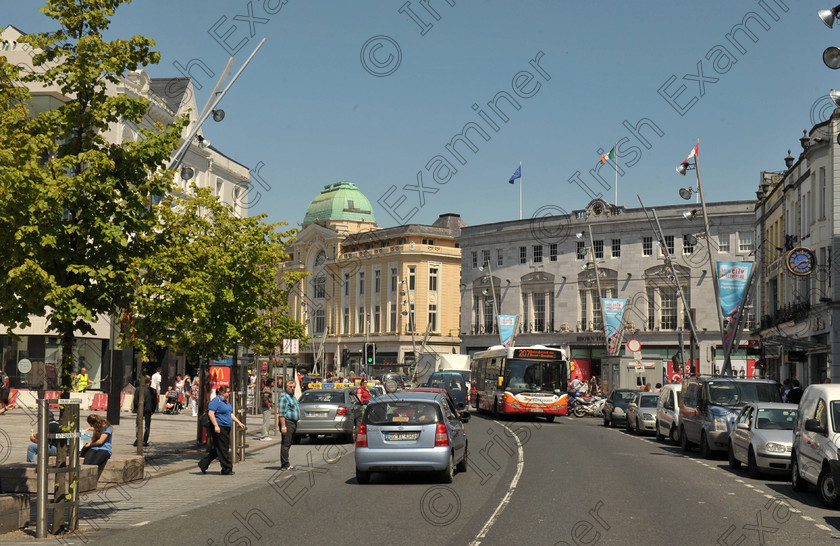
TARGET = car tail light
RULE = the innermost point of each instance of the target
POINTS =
(441, 436)
(342, 410)
(361, 436)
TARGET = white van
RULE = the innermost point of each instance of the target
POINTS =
(668, 413)
(815, 437)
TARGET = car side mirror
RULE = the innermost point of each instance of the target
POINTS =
(631, 405)
(743, 426)
(464, 416)
(813, 425)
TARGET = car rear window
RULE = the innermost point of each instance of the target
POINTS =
(649, 401)
(403, 412)
(322, 397)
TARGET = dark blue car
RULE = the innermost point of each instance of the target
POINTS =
(454, 384)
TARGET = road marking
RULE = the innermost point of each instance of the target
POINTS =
(807, 518)
(140, 524)
(823, 527)
(520, 464)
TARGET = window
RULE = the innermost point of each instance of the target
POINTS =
(745, 241)
(584, 322)
(651, 295)
(347, 284)
(538, 254)
(412, 277)
(647, 246)
(432, 317)
(539, 311)
(320, 319)
(474, 255)
(552, 252)
(822, 196)
(580, 250)
(485, 258)
(361, 282)
(360, 327)
(346, 325)
(723, 245)
(523, 255)
(668, 308)
(377, 281)
(616, 248)
(500, 257)
(433, 278)
(392, 319)
(489, 323)
(375, 326)
(393, 279)
(319, 285)
(430, 242)
(599, 250)
(688, 246)
(411, 317)
(669, 244)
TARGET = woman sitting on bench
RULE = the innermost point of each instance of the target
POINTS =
(98, 450)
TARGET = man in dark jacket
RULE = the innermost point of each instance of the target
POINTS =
(794, 395)
(150, 402)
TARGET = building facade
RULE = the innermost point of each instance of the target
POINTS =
(168, 98)
(797, 288)
(396, 287)
(544, 273)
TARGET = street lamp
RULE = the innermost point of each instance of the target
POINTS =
(828, 15)
(831, 57)
(685, 193)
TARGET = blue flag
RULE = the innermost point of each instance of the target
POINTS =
(517, 174)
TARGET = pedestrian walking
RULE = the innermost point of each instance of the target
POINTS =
(82, 381)
(98, 450)
(794, 395)
(156, 379)
(150, 402)
(187, 390)
(267, 408)
(289, 415)
(196, 385)
(221, 417)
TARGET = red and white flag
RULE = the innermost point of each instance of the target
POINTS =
(694, 152)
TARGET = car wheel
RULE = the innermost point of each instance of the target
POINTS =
(733, 462)
(447, 473)
(549, 418)
(752, 465)
(684, 443)
(705, 452)
(296, 439)
(462, 466)
(659, 435)
(637, 430)
(827, 490)
(672, 435)
(606, 421)
(362, 476)
(796, 480)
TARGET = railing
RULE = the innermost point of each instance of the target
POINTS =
(787, 313)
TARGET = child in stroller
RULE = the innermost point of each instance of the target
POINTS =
(173, 404)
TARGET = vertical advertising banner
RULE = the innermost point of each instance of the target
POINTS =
(613, 314)
(507, 327)
(733, 278)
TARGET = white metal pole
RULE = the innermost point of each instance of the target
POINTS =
(521, 181)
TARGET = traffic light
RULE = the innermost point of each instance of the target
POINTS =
(370, 353)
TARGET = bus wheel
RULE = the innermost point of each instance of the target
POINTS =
(495, 410)
(549, 418)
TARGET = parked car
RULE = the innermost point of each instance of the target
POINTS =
(641, 413)
(615, 409)
(668, 413)
(762, 437)
(411, 431)
(332, 412)
(816, 435)
(709, 405)
(454, 384)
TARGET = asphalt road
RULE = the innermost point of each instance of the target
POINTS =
(568, 482)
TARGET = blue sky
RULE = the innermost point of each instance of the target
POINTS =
(312, 113)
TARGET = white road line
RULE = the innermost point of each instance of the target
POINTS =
(806, 518)
(502, 505)
(823, 527)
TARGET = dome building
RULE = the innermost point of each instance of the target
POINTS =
(396, 287)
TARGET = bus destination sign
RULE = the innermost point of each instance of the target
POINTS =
(535, 354)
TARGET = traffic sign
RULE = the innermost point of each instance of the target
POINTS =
(291, 346)
(640, 368)
(634, 345)
(637, 356)
(25, 365)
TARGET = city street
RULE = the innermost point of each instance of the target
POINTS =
(580, 483)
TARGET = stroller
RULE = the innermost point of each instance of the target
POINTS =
(173, 403)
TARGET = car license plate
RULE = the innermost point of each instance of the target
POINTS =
(316, 414)
(401, 436)
(536, 410)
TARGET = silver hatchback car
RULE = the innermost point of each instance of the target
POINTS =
(411, 431)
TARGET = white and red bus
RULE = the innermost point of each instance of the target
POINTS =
(520, 380)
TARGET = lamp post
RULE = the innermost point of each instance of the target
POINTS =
(495, 301)
(685, 193)
(591, 250)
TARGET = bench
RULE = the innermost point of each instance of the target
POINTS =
(23, 478)
(123, 469)
(14, 512)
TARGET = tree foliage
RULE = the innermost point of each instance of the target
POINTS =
(74, 207)
(212, 281)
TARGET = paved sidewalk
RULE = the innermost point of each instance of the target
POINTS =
(173, 483)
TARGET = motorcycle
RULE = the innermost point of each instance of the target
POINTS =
(592, 405)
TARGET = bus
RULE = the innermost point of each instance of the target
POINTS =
(520, 380)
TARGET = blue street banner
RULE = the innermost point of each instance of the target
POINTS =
(613, 315)
(733, 279)
(507, 328)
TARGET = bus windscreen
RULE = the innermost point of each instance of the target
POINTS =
(531, 376)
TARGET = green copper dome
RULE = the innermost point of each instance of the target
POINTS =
(341, 201)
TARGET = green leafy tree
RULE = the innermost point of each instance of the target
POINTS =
(212, 281)
(74, 207)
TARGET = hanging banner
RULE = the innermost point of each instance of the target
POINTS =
(733, 278)
(613, 315)
(507, 328)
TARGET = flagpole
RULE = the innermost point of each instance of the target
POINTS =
(520, 190)
(615, 160)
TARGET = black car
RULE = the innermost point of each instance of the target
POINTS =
(454, 384)
(615, 408)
